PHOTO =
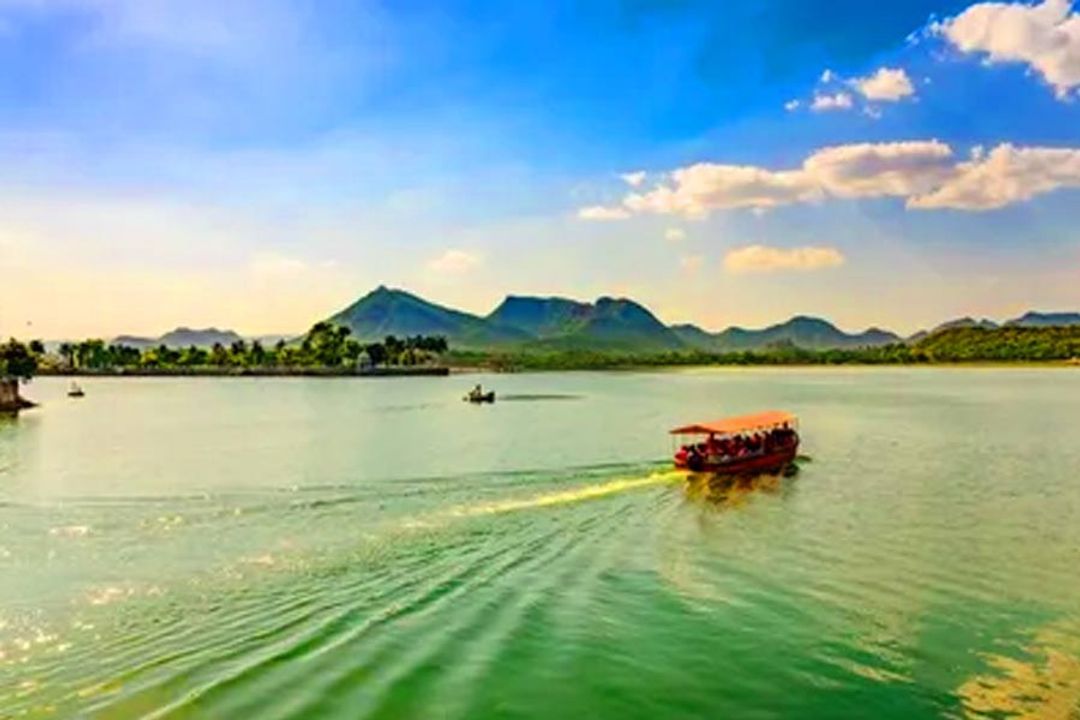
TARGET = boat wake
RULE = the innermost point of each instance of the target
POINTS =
(349, 601)
(563, 497)
(539, 396)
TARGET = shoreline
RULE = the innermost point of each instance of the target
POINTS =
(472, 369)
(426, 371)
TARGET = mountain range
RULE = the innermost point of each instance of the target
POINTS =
(555, 323)
(181, 337)
(606, 324)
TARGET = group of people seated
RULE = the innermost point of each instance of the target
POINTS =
(730, 448)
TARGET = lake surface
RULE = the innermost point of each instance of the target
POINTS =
(306, 548)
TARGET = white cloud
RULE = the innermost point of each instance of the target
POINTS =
(674, 234)
(764, 259)
(925, 173)
(601, 212)
(792, 105)
(886, 85)
(827, 76)
(879, 169)
(837, 101)
(455, 262)
(1003, 176)
(691, 264)
(862, 170)
(1045, 37)
(699, 189)
(634, 179)
(269, 265)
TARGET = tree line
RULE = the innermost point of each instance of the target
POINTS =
(331, 347)
(325, 346)
(1009, 344)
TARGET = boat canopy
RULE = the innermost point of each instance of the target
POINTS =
(740, 424)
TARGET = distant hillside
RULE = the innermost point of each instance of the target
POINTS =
(180, 337)
(964, 322)
(385, 312)
(607, 324)
(541, 317)
(135, 341)
(694, 337)
(554, 323)
(184, 337)
(1009, 343)
(967, 322)
(624, 323)
(1037, 319)
(1030, 319)
(805, 332)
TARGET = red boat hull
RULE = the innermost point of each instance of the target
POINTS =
(772, 462)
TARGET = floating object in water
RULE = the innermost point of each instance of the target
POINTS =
(477, 395)
(75, 391)
(765, 442)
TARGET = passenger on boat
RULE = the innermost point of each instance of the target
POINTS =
(694, 457)
(739, 446)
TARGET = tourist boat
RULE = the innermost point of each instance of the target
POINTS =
(765, 442)
(75, 391)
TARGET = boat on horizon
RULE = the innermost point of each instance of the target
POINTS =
(765, 442)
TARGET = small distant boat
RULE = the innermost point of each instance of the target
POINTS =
(75, 391)
(477, 395)
(765, 442)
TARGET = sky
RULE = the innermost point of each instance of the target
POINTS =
(258, 165)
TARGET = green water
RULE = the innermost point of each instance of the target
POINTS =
(241, 548)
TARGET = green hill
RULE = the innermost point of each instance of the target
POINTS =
(694, 337)
(607, 324)
(385, 311)
(1009, 343)
(541, 317)
(181, 337)
(805, 332)
(522, 322)
(553, 324)
(1038, 319)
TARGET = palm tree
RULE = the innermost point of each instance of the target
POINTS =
(67, 352)
(257, 354)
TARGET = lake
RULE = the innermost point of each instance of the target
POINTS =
(310, 548)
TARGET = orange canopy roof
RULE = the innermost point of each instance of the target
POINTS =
(740, 424)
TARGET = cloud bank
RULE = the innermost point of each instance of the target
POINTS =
(1005, 175)
(1045, 37)
(924, 173)
(764, 259)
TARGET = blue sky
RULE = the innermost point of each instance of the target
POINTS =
(260, 164)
